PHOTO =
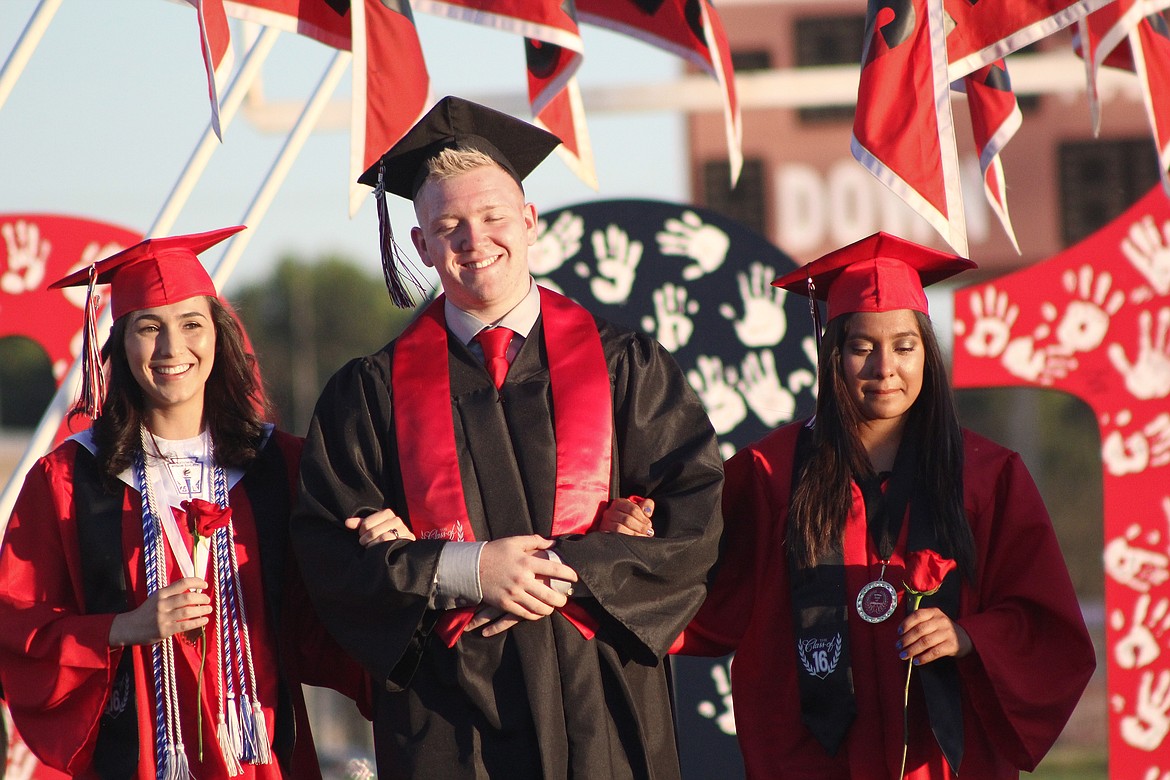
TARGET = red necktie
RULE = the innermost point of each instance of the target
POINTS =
(495, 343)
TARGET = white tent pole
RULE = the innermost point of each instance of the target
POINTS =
(29, 40)
(281, 166)
(46, 429)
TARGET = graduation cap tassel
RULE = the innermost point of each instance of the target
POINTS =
(93, 378)
(400, 273)
(813, 310)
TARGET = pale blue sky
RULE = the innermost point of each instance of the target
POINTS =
(113, 102)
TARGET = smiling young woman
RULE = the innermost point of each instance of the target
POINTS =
(145, 571)
(171, 352)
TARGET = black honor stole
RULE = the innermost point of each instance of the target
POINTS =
(821, 604)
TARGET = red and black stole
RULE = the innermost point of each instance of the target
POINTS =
(425, 431)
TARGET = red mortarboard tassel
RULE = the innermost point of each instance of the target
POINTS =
(401, 274)
(93, 377)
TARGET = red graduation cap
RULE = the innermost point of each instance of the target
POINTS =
(154, 272)
(878, 273)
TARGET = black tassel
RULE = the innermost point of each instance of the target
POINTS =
(400, 272)
(816, 316)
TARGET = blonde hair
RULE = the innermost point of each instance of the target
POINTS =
(456, 161)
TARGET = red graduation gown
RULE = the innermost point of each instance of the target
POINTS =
(58, 671)
(1032, 658)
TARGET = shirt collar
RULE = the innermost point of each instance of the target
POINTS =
(520, 319)
(234, 475)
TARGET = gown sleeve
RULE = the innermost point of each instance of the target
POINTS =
(309, 653)
(755, 508)
(645, 590)
(56, 666)
(1033, 656)
(372, 600)
(723, 618)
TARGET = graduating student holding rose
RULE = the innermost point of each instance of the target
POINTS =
(837, 527)
(154, 624)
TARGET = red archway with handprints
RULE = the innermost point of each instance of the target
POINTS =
(1094, 321)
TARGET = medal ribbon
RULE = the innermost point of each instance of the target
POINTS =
(820, 608)
(827, 703)
(425, 431)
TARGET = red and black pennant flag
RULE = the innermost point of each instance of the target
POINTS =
(984, 31)
(215, 42)
(553, 52)
(324, 21)
(391, 85)
(915, 50)
(690, 29)
(1124, 35)
(995, 118)
(903, 131)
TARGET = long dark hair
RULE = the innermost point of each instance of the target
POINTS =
(822, 497)
(234, 407)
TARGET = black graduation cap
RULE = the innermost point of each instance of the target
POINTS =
(517, 146)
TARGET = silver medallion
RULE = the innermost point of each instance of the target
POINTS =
(877, 601)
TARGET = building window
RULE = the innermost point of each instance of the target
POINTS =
(1028, 103)
(754, 59)
(745, 203)
(829, 40)
(1099, 180)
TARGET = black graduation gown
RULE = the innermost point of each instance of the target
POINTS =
(539, 700)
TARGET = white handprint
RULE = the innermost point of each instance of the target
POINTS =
(1086, 321)
(1149, 252)
(672, 321)
(725, 720)
(1153, 773)
(557, 244)
(1139, 450)
(716, 389)
(1147, 727)
(1139, 647)
(27, 255)
(763, 323)
(91, 254)
(1157, 432)
(1132, 566)
(1045, 365)
(617, 263)
(994, 318)
(1149, 375)
(760, 386)
(359, 769)
(1125, 454)
(707, 245)
(803, 377)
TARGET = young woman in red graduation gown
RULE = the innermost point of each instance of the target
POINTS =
(821, 519)
(154, 622)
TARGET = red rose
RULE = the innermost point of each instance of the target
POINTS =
(205, 518)
(925, 571)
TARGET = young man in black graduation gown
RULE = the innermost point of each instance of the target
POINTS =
(511, 642)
